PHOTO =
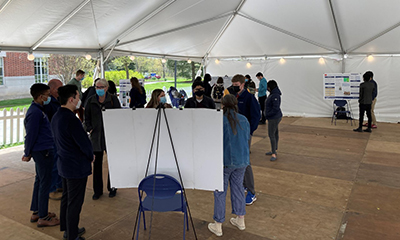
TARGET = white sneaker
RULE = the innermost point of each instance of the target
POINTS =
(215, 228)
(238, 222)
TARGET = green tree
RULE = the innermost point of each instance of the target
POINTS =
(183, 68)
(65, 66)
(123, 63)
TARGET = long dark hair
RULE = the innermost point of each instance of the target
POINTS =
(135, 84)
(230, 110)
(153, 103)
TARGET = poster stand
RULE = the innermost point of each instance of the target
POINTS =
(157, 126)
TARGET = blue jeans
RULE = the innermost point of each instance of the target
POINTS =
(56, 181)
(43, 167)
(235, 178)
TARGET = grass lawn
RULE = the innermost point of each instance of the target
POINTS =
(15, 103)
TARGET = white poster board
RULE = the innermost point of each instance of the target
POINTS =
(197, 138)
(124, 89)
(341, 86)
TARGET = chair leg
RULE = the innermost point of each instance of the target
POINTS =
(144, 221)
(138, 227)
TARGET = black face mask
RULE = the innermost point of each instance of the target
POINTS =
(236, 89)
(199, 93)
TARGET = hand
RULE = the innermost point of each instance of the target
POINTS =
(94, 158)
(26, 159)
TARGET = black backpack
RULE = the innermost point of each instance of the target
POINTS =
(218, 92)
(341, 114)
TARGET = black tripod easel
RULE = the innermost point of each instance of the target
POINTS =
(157, 129)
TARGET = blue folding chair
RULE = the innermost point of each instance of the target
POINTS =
(341, 108)
(163, 194)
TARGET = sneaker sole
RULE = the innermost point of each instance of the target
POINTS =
(216, 233)
(239, 227)
(248, 204)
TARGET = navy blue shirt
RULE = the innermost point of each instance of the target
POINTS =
(250, 108)
(73, 145)
(375, 92)
(38, 133)
(273, 104)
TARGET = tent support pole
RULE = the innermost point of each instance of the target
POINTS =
(4, 5)
(175, 74)
(103, 74)
(336, 26)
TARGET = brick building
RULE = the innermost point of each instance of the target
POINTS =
(17, 74)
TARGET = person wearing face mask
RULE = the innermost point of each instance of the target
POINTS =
(50, 109)
(158, 99)
(94, 126)
(39, 146)
(249, 84)
(77, 81)
(199, 100)
(249, 107)
(75, 157)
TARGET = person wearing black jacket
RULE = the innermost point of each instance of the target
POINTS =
(137, 94)
(199, 100)
(75, 157)
(365, 101)
(207, 86)
(94, 126)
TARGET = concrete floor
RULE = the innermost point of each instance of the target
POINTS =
(328, 183)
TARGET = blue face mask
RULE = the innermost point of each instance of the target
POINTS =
(247, 80)
(163, 100)
(100, 92)
(47, 101)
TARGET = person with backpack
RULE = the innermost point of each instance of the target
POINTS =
(137, 94)
(218, 92)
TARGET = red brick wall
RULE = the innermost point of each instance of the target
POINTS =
(17, 64)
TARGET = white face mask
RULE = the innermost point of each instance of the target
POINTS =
(79, 104)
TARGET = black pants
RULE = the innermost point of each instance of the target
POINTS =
(71, 205)
(273, 133)
(98, 175)
(365, 108)
(261, 100)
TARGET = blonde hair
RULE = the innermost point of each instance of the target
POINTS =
(238, 78)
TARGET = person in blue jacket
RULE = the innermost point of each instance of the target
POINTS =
(236, 131)
(249, 107)
(75, 157)
(273, 114)
(39, 146)
(262, 94)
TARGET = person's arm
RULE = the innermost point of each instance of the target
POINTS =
(132, 98)
(32, 123)
(361, 94)
(88, 116)
(255, 114)
(81, 138)
(116, 102)
(263, 86)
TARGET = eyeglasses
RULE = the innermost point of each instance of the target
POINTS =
(100, 87)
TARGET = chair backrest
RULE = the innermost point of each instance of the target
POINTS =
(340, 103)
(162, 185)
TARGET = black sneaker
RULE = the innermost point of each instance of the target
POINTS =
(96, 196)
(358, 130)
(112, 193)
(368, 130)
(81, 231)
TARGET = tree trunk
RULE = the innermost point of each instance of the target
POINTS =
(193, 71)
(127, 70)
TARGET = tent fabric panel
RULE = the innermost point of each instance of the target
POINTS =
(183, 13)
(255, 39)
(361, 20)
(178, 43)
(311, 19)
(24, 22)
(384, 44)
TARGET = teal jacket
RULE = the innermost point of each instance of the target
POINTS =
(262, 88)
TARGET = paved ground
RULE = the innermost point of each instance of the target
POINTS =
(328, 183)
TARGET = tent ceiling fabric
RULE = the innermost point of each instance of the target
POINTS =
(189, 28)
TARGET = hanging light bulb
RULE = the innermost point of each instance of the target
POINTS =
(217, 61)
(189, 61)
(163, 60)
(248, 65)
(132, 57)
(88, 57)
(321, 60)
(31, 57)
(282, 60)
(370, 58)
(345, 56)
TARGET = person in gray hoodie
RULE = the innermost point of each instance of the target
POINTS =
(365, 101)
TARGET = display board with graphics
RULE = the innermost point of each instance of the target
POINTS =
(341, 85)
(129, 135)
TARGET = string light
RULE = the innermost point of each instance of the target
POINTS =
(282, 60)
(217, 61)
(370, 58)
(88, 57)
(132, 57)
(163, 60)
(321, 60)
(189, 61)
(248, 65)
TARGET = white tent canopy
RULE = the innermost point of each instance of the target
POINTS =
(255, 31)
